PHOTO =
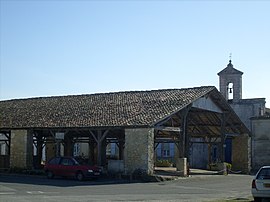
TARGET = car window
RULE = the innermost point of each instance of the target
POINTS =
(75, 162)
(54, 161)
(79, 161)
(67, 162)
(264, 173)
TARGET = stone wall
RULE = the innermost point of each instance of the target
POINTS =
(241, 153)
(260, 143)
(21, 149)
(236, 79)
(248, 108)
(139, 150)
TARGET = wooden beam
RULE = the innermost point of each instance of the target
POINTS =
(93, 135)
(168, 129)
(99, 140)
(165, 140)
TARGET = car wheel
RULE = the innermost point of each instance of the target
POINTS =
(50, 174)
(257, 199)
(79, 176)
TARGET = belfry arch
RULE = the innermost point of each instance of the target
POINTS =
(230, 82)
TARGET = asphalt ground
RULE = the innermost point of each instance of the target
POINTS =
(199, 187)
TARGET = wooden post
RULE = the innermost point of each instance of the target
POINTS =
(184, 133)
(99, 145)
(99, 140)
(209, 154)
(39, 150)
(68, 149)
(91, 152)
(121, 150)
(222, 133)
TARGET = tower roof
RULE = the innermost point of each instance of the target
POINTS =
(230, 70)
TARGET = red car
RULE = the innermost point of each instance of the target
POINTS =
(70, 167)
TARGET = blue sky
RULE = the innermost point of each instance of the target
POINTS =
(80, 47)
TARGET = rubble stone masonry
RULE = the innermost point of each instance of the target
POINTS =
(241, 160)
(260, 142)
(21, 149)
(139, 150)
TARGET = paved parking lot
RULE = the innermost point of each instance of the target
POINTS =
(196, 188)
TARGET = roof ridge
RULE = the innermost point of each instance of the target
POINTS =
(106, 93)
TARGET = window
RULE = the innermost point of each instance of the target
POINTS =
(264, 174)
(67, 162)
(166, 150)
(54, 161)
(166, 153)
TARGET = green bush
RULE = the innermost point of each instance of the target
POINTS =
(228, 166)
(163, 163)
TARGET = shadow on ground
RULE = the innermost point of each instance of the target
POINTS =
(59, 181)
(160, 174)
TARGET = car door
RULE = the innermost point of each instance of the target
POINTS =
(67, 167)
(54, 165)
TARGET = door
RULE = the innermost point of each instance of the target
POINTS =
(228, 150)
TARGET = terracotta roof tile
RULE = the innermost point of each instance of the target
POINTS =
(134, 108)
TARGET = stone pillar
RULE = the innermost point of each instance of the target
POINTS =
(139, 150)
(241, 153)
(181, 166)
(21, 149)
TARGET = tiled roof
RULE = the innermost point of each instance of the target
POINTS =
(134, 108)
(230, 70)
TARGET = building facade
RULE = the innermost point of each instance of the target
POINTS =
(135, 122)
(252, 112)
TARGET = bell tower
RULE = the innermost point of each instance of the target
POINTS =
(230, 83)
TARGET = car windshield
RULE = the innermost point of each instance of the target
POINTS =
(76, 162)
(55, 161)
(81, 161)
(264, 174)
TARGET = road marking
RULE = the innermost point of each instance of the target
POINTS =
(35, 192)
(6, 193)
(40, 192)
